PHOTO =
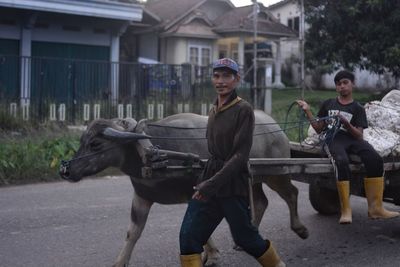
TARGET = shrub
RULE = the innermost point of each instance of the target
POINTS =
(26, 160)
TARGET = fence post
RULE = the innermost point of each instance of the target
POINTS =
(86, 112)
(160, 111)
(52, 114)
(61, 112)
(150, 111)
(96, 111)
(120, 111)
(13, 109)
(129, 110)
(25, 111)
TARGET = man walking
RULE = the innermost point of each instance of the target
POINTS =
(222, 190)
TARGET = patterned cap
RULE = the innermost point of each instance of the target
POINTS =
(226, 63)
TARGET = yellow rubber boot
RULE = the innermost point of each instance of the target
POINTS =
(374, 193)
(270, 258)
(344, 197)
(192, 260)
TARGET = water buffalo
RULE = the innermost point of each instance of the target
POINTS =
(122, 144)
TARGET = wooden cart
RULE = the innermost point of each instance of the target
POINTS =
(307, 164)
(322, 184)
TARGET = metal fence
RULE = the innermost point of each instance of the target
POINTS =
(76, 91)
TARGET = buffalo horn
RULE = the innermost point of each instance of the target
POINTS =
(120, 135)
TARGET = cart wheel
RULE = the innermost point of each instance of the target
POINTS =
(396, 198)
(323, 200)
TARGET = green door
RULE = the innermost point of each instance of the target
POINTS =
(9, 69)
(68, 72)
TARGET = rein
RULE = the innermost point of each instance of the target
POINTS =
(65, 163)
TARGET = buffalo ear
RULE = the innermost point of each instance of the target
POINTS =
(128, 124)
(141, 125)
(117, 135)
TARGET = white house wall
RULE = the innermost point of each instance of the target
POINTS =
(55, 33)
(10, 32)
(283, 13)
(363, 80)
(176, 50)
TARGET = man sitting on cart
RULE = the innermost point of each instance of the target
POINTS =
(349, 139)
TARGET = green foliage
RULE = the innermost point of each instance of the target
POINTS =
(29, 160)
(9, 123)
(348, 33)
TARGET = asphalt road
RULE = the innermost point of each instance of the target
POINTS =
(84, 224)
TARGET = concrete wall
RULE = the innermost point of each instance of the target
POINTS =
(365, 80)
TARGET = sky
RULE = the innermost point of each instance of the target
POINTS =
(249, 2)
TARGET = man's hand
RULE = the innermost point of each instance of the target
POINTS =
(197, 195)
(303, 105)
(346, 124)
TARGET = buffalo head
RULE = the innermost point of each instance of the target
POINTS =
(105, 143)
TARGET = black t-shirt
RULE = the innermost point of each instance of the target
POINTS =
(353, 112)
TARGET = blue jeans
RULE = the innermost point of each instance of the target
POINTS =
(202, 218)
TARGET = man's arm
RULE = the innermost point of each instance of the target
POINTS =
(356, 132)
(316, 124)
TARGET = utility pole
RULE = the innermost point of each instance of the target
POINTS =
(255, 15)
(301, 35)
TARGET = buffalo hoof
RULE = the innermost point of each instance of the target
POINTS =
(210, 259)
(302, 232)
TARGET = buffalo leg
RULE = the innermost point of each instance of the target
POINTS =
(260, 203)
(211, 253)
(288, 192)
(139, 213)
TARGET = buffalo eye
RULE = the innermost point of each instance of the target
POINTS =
(95, 145)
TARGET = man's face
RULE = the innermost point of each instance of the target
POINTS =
(224, 81)
(344, 87)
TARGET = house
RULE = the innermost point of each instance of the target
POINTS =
(199, 31)
(31, 30)
(68, 58)
(287, 12)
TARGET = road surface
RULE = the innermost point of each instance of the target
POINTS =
(84, 224)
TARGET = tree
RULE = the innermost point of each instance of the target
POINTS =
(353, 33)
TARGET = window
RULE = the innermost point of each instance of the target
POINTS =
(222, 51)
(205, 56)
(294, 23)
(200, 55)
(234, 51)
(194, 55)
